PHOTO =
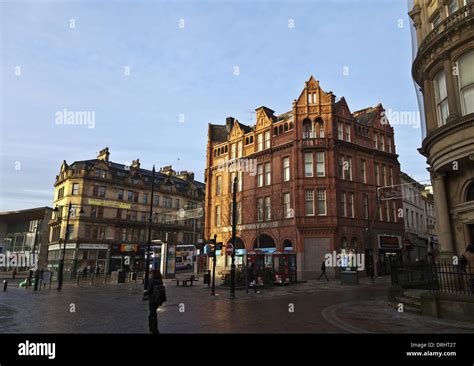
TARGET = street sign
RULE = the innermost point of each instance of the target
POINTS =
(229, 249)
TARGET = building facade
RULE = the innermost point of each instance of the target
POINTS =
(307, 181)
(443, 69)
(418, 207)
(23, 230)
(110, 212)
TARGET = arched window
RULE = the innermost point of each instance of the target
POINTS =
(307, 129)
(320, 123)
(470, 193)
(280, 129)
(344, 242)
(215, 153)
(291, 125)
(354, 243)
(251, 139)
(226, 149)
(466, 82)
(286, 127)
(275, 131)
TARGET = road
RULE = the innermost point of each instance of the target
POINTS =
(312, 307)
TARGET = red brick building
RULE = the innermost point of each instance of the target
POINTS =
(307, 181)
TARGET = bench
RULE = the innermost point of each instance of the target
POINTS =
(185, 279)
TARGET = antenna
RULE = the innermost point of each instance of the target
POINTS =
(251, 115)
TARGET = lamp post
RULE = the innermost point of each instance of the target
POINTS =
(28, 283)
(213, 288)
(234, 227)
(63, 255)
(148, 244)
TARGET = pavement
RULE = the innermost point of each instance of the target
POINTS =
(310, 307)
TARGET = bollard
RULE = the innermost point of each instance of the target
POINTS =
(77, 280)
(105, 277)
(5, 285)
(37, 277)
(92, 279)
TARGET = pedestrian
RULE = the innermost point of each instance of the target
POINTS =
(323, 271)
(251, 276)
(156, 297)
(467, 262)
(97, 271)
(14, 273)
(84, 273)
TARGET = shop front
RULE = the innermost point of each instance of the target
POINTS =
(127, 257)
(55, 252)
(94, 257)
(390, 253)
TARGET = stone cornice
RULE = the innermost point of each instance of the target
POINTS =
(464, 17)
(446, 130)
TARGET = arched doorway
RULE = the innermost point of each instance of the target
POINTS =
(265, 243)
(240, 251)
(288, 245)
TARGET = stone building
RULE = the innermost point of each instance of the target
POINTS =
(111, 208)
(443, 69)
(418, 208)
(23, 230)
(308, 181)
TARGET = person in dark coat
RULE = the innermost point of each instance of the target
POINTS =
(251, 277)
(156, 279)
(323, 271)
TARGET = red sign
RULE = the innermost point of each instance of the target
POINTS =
(229, 249)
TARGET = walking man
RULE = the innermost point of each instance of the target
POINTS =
(323, 272)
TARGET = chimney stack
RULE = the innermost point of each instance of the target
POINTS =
(104, 155)
(229, 122)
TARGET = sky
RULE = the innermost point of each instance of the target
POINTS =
(153, 74)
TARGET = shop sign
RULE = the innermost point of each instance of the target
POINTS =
(389, 242)
(107, 203)
(128, 247)
(94, 246)
(61, 246)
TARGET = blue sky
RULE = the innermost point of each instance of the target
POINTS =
(183, 71)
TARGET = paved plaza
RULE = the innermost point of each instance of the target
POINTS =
(311, 307)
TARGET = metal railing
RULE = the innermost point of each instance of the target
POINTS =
(436, 277)
(450, 22)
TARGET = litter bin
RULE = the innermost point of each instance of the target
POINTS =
(121, 275)
(118, 276)
(207, 278)
(349, 278)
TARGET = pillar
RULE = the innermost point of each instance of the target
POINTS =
(442, 216)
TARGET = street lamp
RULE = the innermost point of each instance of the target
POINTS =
(61, 260)
(148, 244)
(234, 227)
(28, 283)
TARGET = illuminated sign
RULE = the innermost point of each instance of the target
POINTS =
(128, 247)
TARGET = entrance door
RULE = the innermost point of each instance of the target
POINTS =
(470, 229)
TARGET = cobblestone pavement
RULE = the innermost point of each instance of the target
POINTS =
(319, 307)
